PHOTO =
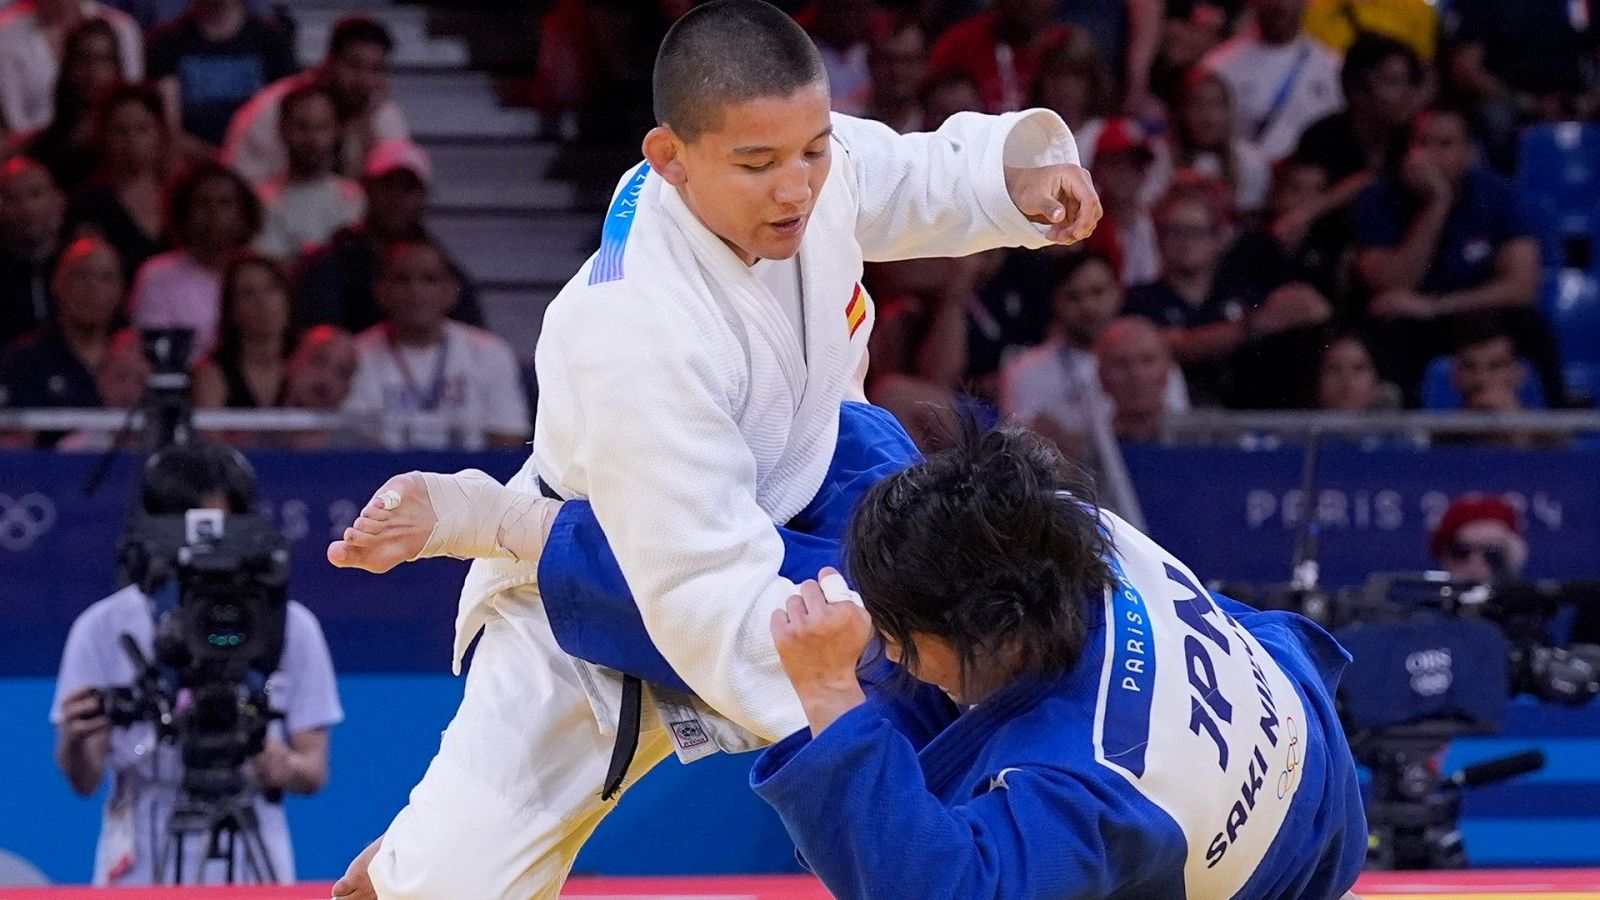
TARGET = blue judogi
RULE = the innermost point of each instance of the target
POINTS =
(907, 796)
(1055, 788)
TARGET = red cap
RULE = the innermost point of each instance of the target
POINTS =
(1123, 135)
(1466, 509)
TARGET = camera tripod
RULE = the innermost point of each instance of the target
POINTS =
(224, 823)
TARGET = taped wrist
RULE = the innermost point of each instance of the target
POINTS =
(479, 518)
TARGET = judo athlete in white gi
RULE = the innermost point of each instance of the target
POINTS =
(691, 379)
(1091, 724)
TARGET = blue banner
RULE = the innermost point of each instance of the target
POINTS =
(1229, 514)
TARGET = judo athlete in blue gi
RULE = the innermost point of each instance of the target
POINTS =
(1087, 721)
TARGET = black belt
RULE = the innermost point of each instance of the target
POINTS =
(627, 744)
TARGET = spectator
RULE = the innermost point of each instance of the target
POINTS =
(1191, 31)
(1442, 238)
(1074, 82)
(88, 70)
(309, 202)
(1281, 78)
(31, 213)
(919, 342)
(212, 60)
(336, 281)
(1127, 34)
(945, 95)
(54, 366)
(1123, 154)
(1347, 379)
(1383, 82)
(999, 49)
(1479, 538)
(1207, 321)
(897, 63)
(356, 70)
(1486, 373)
(248, 369)
(320, 374)
(152, 14)
(147, 772)
(1297, 239)
(211, 214)
(1341, 23)
(842, 31)
(123, 202)
(1054, 389)
(1204, 141)
(120, 380)
(32, 39)
(1510, 62)
(437, 383)
(1135, 371)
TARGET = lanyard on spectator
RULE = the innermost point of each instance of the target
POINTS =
(1285, 88)
(429, 401)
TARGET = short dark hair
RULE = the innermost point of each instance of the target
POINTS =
(182, 189)
(1481, 328)
(399, 247)
(301, 93)
(133, 93)
(358, 29)
(729, 51)
(1067, 265)
(994, 543)
(181, 477)
(1370, 51)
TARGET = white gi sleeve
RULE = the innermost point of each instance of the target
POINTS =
(672, 482)
(943, 193)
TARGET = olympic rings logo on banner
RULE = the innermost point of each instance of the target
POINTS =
(25, 520)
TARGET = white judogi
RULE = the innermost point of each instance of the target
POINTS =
(676, 395)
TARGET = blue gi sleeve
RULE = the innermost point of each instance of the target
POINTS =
(855, 801)
(591, 609)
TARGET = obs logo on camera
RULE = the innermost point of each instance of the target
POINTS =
(25, 520)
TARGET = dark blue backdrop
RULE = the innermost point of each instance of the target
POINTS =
(1230, 514)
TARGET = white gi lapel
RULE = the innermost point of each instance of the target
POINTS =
(752, 301)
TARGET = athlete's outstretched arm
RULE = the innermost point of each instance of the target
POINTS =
(978, 183)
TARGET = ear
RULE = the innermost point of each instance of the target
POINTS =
(664, 151)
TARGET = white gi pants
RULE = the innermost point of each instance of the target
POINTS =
(514, 791)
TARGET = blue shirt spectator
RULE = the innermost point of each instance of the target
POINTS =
(212, 59)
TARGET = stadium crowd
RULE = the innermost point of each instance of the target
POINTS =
(1310, 204)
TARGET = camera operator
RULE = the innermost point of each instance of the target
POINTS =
(147, 774)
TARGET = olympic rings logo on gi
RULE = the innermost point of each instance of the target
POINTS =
(1291, 758)
(25, 520)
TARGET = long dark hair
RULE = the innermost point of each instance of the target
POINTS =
(229, 345)
(71, 108)
(994, 544)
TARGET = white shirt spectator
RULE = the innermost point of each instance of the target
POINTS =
(301, 215)
(1141, 254)
(1062, 383)
(255, 149)
(146, 775)
(173, 291)
(449, 396)
(29, 66)
(1278, 90)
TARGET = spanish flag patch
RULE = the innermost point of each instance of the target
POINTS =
(855, 312)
